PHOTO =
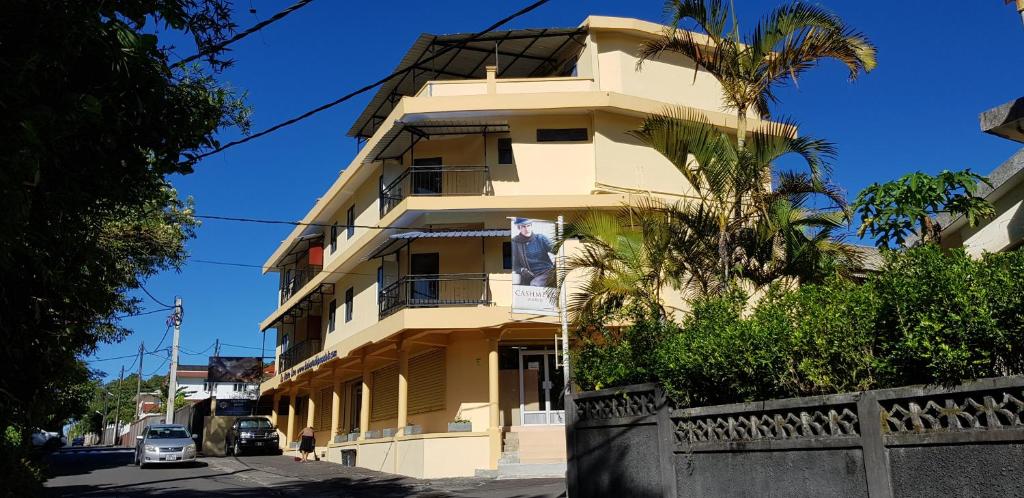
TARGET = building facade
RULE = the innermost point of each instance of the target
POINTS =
(396, 335)
(193, 378)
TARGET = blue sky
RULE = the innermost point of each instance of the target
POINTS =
(940, 64)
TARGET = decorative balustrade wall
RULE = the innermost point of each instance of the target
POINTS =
(912, 441)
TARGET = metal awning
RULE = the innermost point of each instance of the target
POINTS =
(519, 53)
(384, 248)
(399, 139)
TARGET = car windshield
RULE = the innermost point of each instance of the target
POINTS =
(254, 424)
(167, 433)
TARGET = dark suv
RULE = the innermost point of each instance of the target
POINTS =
(251, 434)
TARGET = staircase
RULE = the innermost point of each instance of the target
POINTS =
(510, 468)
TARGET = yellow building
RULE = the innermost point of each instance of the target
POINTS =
(394, 316)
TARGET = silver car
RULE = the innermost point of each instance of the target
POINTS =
(164, 443)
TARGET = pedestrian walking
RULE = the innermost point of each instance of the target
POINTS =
(307, 444)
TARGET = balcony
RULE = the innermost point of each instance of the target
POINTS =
(433, 291)
(434, 181)
(294, 278)
(298, 353)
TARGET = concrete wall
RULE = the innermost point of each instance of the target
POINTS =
(913, 441)
(1001, 232)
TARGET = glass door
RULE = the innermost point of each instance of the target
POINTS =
(541, 389)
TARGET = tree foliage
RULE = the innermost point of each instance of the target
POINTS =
(788, 41)
(94, 120)
(929, 317)
(893, 212)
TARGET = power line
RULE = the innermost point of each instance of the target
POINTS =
(158, 368)
(258, 26)
(161, 343)
(135, 355)
(121, 317)
(371, 86)
(238, 346)
(265, 221)
(143, 287)
(261, 267)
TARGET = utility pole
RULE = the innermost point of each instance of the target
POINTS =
(562, 305)
(103, 420)
(117, 410)
(138, 382)
(172, 380)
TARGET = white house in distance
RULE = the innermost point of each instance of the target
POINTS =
(197, 387)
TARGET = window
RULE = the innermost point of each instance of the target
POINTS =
(380, 282)
(332, 313)
(348, 304)
(350, 222)
(562, 135)
(506, 255)
(334, 237)
(238, 387)
(505, 151)
(206, 386)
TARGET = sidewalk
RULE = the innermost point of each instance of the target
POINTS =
(322, 479)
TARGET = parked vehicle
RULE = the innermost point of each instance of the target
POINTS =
(47, 441)
(78, 441)
(164, 443)
(251, 434)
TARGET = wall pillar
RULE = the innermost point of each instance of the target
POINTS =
(292, 415)
(311, 405)
(364, 407)
(403, 387)
(493, 429)
(274, 415)
(335, 407)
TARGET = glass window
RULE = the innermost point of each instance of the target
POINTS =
(562, 135)
(332, 312)
(254, 424)
(167, 433)
(506, 255)
(505, 151)
(348, 304)
(350, 222)
(380, 282)
(334, 237)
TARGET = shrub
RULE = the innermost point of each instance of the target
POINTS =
(929, 317)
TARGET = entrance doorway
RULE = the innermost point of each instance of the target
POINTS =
(541, 388)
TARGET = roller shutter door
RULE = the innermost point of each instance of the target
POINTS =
(427, 382)
(384, 394)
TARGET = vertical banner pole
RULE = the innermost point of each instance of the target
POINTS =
(563, 304)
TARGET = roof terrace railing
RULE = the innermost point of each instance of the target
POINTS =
(435, 181)
(299, 353)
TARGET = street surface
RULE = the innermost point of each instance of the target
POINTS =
(109, 472)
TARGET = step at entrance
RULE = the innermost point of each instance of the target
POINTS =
(524, 471)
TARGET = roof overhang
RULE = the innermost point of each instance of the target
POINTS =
(518, 53)
(401, 137)
(1005, 121)
(398, 238)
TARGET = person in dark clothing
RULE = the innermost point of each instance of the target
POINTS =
(307, 444)
(532, 255)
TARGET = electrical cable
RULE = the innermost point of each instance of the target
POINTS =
(371, 86)
(238, 346)
(256, 27)
(245, 265)
(121, 317)
(158, 368)
(323, 225)
(143, 287)
(161, 343)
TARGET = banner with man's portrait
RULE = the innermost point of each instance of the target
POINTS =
(534, 280)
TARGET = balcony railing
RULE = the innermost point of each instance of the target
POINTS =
(295, 278)
(299, 353)
(432, 291)
(435, 181)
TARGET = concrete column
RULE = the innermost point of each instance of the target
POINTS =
(274, 415)
(403, 387)
(311, 406)
(292, 415)
(492, 82)
(335, 407)
(364, 408)
(493, 429)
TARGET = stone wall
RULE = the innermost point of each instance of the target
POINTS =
(913, 441)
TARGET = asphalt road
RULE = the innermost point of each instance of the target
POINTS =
(109, 472)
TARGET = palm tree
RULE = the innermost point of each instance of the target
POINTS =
(759, 232)
(628, 259)
(785, 43)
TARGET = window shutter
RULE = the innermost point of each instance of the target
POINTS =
(323, 409)
(384, 395)
(427, 382)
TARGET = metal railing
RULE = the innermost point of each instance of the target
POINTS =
(295, 278)
(435, 181)
(298, 353)
(432, 291)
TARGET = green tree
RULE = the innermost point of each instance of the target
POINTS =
(95, 118)
(895, 211)
(788, 41)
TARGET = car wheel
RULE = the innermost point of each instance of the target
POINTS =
(237, 451)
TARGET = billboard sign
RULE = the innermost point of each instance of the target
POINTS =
(534, 280)
(247, 370)
(235, 407)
